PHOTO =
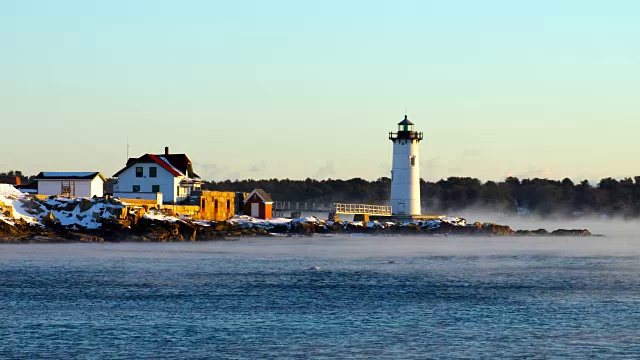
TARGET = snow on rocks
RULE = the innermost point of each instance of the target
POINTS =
(158, 216)
(78, 213)
(7, 191)
(9, 197)
(245, 222)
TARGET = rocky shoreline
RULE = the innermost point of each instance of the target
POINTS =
(28, 219)
(153, 230)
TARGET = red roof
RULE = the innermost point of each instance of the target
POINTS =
(176, 164)
(162, 163)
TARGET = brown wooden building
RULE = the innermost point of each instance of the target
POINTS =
(258, 204)
(217, 205)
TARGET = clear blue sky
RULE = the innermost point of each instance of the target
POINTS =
(262, 89)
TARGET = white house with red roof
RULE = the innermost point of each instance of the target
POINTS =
(168, 178)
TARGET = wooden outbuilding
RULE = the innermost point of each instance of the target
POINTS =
(11, 180)
(258, 204)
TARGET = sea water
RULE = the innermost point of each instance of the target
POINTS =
(323, 298)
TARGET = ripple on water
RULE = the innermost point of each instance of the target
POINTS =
(235, 303)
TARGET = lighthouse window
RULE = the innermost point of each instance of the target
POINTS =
(412, 161)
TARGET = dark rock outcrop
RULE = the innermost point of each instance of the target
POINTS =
(574, 232)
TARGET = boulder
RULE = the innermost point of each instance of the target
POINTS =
(49, 219)
(187, 231)
(119, 212)
(85, 205)
(9, 230)
(303, 228)
(7, 211)
(495, 229)
(70, 206)
(31, 204)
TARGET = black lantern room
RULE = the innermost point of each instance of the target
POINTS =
(405, 131)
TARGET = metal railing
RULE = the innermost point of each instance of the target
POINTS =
(299, 206)
(341, 208)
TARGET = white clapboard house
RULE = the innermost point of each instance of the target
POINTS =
(166, 178)
(72, 184)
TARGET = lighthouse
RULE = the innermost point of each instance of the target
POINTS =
(405, 173)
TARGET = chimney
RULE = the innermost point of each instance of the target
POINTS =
(166, 150)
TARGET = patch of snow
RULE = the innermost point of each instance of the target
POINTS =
(160, 217)
(309, 219)
(7, 190)
(171, 166)
(454, 221)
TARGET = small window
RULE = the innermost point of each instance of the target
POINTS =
(215, 205)
(155, 188)
(139, 171)
(228, 205)
(153, 171)
(204, 202)
(412, 161)
(136, 188)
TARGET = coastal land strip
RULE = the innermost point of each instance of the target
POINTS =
(59, 219)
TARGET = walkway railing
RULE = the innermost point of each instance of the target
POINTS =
(279, 208)
(301, 206)
(341, 208)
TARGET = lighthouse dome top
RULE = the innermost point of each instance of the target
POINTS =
(405, 121)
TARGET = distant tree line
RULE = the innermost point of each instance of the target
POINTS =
(512, 196)
(18, 173)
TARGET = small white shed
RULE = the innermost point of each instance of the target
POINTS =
(72, 184)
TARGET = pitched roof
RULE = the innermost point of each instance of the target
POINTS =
(266, 198)
(69, 175)
(176, 164)
(405, 121)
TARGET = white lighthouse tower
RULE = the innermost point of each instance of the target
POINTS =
(405, 174)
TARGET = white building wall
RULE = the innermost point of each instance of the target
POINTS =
(54, 187)
(166, 180)
(179, 192)
(140, 195)
(405, 178)
(97, 187)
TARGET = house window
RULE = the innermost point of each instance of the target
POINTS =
(155, 188)
(412, 161)
(204, 202)
(228, 205)
(153, 171)
(177, 190)
(215, 205)
(139, 171)
(136, 188)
